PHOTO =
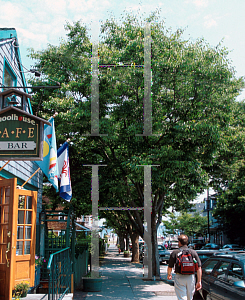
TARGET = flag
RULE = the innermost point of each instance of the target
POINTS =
(64, 172)
(49, 163)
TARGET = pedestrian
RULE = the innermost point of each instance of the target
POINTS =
(184, 284)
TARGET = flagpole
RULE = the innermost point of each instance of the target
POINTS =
(30, 177)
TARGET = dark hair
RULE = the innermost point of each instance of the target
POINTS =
(183, 239)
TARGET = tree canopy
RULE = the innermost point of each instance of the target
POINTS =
(193, 92)
(228, 178)
(187, 223)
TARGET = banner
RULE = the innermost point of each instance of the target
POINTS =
(64, 172)
(49, 163)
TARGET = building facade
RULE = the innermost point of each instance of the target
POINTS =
(19, 207)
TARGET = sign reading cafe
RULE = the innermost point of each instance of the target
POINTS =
(21, 135)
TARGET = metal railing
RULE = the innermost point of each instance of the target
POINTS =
(60, 274)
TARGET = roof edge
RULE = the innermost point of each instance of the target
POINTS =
(6, 33)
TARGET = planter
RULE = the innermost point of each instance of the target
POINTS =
(37, 275)
(92, 284)
(23, 295)
(127, 254)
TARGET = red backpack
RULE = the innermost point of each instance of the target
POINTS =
(187, 264)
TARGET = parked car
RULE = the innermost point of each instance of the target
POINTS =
(205, 254)
(173, 244)
(232, 247)
(211, 246)
(196, 244)
(164, 254)
(223, 276)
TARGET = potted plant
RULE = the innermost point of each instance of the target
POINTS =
(92, 284)
(21, 289)
(127, 254)
(39, 261)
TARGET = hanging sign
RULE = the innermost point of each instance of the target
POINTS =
(21, 135)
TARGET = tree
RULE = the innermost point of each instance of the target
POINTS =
(228, 179)
(172, 225)
(187, 223)
(193, 224)
(193, 89)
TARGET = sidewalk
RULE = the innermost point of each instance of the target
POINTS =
(125, 281)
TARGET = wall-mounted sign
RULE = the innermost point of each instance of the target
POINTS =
(21, 135)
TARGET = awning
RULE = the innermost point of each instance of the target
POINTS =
(83, 227)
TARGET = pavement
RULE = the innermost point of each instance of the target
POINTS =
(44, 297)
(124, 280)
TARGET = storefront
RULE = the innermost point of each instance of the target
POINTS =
(19, 206)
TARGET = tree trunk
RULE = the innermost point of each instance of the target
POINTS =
(121, 241)
(155, 255)
(135, 247)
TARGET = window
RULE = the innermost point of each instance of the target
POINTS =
(209, 266)
(61, 216)
(9, 77)
(235, 273)
(24, 228)
(221, 270)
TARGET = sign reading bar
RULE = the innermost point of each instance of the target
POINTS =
(17, 145)
(21, 135)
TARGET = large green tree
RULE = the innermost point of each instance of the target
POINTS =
(193, 90)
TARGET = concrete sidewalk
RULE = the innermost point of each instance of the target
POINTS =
(125, 281)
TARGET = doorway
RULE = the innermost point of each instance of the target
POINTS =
(17, 236)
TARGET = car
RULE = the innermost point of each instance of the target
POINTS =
(196, 244)
(211, 246)
(205, 254)
(164, 254)
(223, 276)
(232, 247)
(173, 244)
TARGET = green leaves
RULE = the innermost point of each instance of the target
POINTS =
(189, 224)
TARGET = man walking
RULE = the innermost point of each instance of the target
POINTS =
(184, 284)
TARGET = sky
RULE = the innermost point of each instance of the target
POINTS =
(41, 22)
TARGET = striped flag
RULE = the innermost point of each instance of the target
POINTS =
(49, 163)
(64, 172)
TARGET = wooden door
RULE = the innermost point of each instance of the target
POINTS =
(17, 236)
(7, 188)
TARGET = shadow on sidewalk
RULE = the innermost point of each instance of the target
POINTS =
(125, 281)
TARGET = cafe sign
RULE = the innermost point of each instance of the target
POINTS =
(21, 135)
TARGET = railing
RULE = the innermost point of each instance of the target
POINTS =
(60, 277)
(53, 241)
